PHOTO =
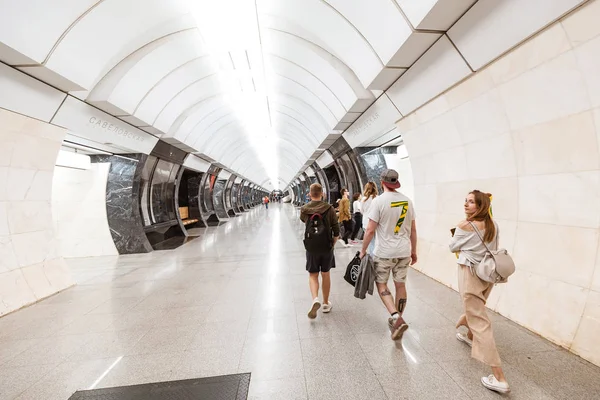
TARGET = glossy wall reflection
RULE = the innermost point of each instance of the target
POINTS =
(123, 202)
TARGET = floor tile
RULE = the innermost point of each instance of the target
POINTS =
(332, 324)
(278, 389)
(108, 345)
(12, 348)
(560, 374)
(216, 333)
(419, 382)
(468, 373)
(382, 351)
(138, 369)
(333, 353)
(231, 301)
(15, 380)
(49, 351)
(171, 339)
(441, 343)
(66, 379)
(347, 385)
(208, 361)
(273, 360)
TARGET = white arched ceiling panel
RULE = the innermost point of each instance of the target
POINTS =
(29, 29)
(384, 27)
(282, 84)
(204, 88)
(197, 118)
(175, 82)
(303, 108)
(229, 148)
(283, 45)
(225, 123)
(286, 170)
(323, 21)
(292, 149)
(280, 26)
(216, 144)
(95, 43)
(287, 122)
(304, 78)
(175, 50)
(286, 130)
(316, 131)
(102, 91)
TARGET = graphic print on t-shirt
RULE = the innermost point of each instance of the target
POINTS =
(403, 205)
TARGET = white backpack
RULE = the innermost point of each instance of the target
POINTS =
(496, 266)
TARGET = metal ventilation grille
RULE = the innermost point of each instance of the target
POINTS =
(228, 387)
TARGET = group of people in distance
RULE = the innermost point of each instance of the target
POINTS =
(391, 240)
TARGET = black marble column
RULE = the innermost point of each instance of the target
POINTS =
(373, 161)
(193, 183)
(123, 202)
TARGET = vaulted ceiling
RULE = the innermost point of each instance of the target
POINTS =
(261, 86)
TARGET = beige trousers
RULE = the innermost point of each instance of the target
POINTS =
(474, 293)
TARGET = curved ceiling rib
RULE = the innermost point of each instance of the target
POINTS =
(255, 85)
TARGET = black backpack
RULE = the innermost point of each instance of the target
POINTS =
(317, 233)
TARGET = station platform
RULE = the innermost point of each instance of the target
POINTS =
(235, 301)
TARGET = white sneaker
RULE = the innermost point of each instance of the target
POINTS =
(327, 307)
(312, 313)
(464, 338)
(492, 383)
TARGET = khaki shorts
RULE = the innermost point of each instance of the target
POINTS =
(398, 267)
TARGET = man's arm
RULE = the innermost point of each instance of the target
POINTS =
(302, 215)
(413, 242)
(334, 224)
(371, 227)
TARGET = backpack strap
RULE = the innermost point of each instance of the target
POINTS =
(481, 237)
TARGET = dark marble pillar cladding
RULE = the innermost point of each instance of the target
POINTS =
(219, 197)
(358, 164)
(123, 202)
(193, 193)
(373, 162)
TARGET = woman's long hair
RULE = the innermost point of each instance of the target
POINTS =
(483, 213)
(370, 190)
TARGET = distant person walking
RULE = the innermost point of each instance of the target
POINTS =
(468, 245)
(358, 217)
(266, 202)
(392, 219)
(344, 216)
(369, 193)
(320, 235)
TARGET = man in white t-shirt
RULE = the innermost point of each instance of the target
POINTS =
(392, 217)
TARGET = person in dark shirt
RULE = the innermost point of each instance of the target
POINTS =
(320, 262)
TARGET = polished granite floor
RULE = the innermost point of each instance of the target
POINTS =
(235, 300)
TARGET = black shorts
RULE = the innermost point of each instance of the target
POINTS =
(320, 262)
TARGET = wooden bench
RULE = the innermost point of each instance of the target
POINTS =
(184, 213)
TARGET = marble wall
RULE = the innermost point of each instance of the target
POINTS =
(527, 129)
(79, 211)
(31, 267)
(405, 173)
(123, 202)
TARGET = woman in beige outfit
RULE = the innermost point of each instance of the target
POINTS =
(474, 292)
